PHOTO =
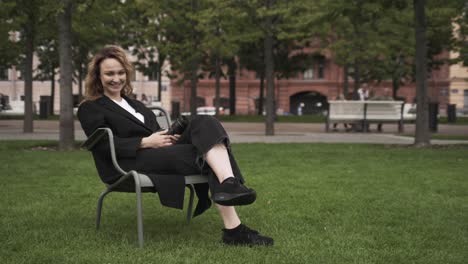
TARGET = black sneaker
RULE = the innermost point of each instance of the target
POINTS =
(232, 192)
(244, 236)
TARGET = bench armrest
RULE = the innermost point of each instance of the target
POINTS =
(98, 135)
(166, 116)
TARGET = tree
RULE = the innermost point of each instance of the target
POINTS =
(269, 71)
(10, 48)
(251, 58)
(462, 35)
(184, 40)
(422, 136)
(27, 17)
(28, 30)
(220, 28)
(48, 57)
(146, 27)
(47, 52)
(272, 21)
(352, 33)
(67, 132)
(95, 23)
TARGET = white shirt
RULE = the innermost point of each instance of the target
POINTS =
(363, 95)
(124, 104)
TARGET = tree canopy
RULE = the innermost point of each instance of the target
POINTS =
(374, 40)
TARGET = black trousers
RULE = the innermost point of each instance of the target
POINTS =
(166, 166)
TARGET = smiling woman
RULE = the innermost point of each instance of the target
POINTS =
(109, 69)
(141, 144)
(113, 78)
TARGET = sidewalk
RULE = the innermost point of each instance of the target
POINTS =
(255, 132)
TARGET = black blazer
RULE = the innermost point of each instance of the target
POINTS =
(128, 132)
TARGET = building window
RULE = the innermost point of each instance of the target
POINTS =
(443, 91)
(309, 74)
(152, 71)
(153, 76)
(465, 99)
(316, 68)
(321, 66)
(3, 73)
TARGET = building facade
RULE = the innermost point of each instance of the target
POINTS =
(12, 86)
(311, 89)
(458, 91)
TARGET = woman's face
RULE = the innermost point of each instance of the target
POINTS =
(113, 77)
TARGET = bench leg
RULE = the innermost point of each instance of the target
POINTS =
(99, 208)
(190, 206)
(139, 217)
(327, 126)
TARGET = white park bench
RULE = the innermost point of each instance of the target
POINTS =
(16, 108)
(365, 112)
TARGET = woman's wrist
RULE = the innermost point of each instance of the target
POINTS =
(144, 142)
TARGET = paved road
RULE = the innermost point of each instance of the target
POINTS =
(254, 132)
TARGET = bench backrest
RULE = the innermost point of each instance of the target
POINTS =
(348, 110)
(370, 110)
(383, 110)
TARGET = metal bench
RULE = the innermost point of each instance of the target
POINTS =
(365, 112)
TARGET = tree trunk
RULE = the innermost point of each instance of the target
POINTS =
(80, 82)
(159, 78)
(232, 86)
(67, 132)
(422, 136)
(194, 70)
(261, 95)
(345, 81)
(52, 92)
(193, 90)
(269, 74)
(356, 76)
(28, 126)
(395, 86)
(160, 65)
(217, 83)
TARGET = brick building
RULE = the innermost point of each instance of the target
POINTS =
(323, 81)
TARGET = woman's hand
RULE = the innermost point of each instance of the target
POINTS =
(157, 140)
(175, 138)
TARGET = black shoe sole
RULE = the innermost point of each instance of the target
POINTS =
(230, 199)
(248, 244)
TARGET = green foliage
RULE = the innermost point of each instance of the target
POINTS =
(9, 49)
(96, 23)
(377, 38)
(461, 37)
(22, 21)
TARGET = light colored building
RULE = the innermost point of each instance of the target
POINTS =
(459, 86)
(12, 85)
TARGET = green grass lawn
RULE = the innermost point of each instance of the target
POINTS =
(323, 203)
(461, 120)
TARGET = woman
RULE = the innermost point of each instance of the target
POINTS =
(141, 145)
